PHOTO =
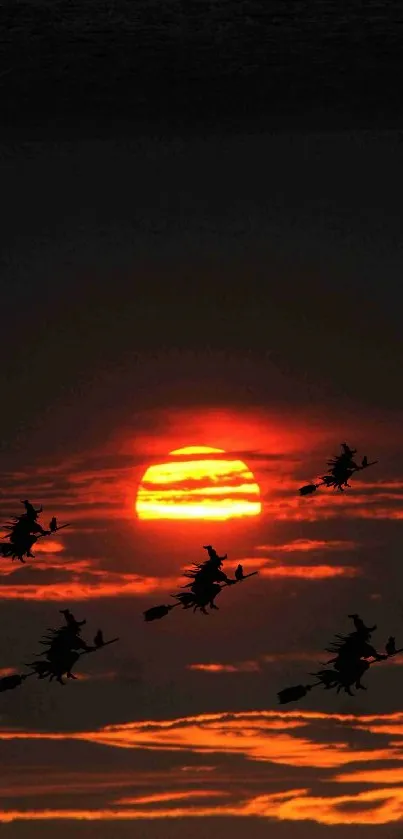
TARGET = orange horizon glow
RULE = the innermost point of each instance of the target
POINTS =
(210, 488)
(270, 737)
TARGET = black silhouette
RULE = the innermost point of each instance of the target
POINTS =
(207, 581)
(342, 467)
(390, 646)
(30, 510)
(24, 531)
(293, 694)
(239, 573)
(353, 652)
(308, 489)
(71, 621)
(158, 612)
(205, 586)
(65, 646)
(12, 682)
(360, 625)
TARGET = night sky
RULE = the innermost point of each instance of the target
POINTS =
(201, 246)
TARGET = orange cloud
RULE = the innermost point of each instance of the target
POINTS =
(79, 493)
(307, 545)
(173, 796)
(370, 807)
(258, 736)
(76, 566)
(310, 572)
(211, 733)
(372, 776)
(48, 546)
(242, 667)
(109, 585)
(278, 748)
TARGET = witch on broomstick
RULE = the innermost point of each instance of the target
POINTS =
(207, 580)
(342, 467)
(24, 531)
(64, 647)
(352, 660)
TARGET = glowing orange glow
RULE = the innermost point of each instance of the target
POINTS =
(243, 667)
(285, 738)
(310, 572)
(173, 796)
(198, 488)
(123, 585)
(6, 671)
(50, 546)
(309, 545)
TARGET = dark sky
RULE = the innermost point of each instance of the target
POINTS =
(197, 60)
(201, 245)
(279, 248)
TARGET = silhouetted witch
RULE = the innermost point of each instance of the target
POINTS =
(207, 581)
(65, 646)
(24, 531)
(349, 665)
(342, 467)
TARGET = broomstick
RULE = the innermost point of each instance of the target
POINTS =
(99, 647)
(245, 577)
(59, 527)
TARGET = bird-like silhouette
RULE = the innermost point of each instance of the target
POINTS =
(390, 646)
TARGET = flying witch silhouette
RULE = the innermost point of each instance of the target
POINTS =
(342, 467)
(64, 648)
(24, 531)
(207, 581)
(351, 662)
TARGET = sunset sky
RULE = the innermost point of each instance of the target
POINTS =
(237, 290)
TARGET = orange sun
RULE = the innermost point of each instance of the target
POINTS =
(204, 487)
